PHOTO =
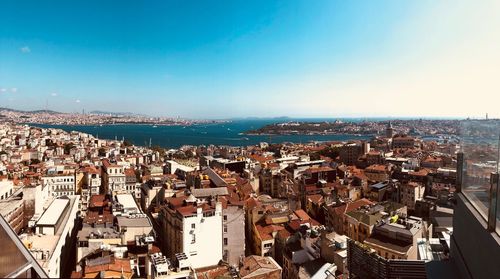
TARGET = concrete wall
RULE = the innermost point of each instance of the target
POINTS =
(474, 250)
(235, 223)
(206, 249)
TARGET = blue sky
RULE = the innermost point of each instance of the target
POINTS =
(217, 59)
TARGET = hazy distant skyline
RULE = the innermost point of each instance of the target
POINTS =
(224, 59)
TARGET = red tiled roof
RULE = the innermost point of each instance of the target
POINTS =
(315, 198)
(318, 169)
(302, 214)
(351, 206)
(380, 168)
(115, 264)
(265, 232)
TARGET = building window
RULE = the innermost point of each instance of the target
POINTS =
(193, 240)
(193, 226)
(225, 218)
(225, 228)
(225, 241)
(268, 245)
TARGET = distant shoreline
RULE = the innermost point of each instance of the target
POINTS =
(122, 123)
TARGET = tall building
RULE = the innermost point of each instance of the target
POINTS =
(113, 177)
(350, 152)
(233, 232)
(410, 193)
(192, 228)
(403, 141)
(389, 131)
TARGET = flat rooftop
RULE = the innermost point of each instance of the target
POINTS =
(126, 200)
(207, 192)
(88, 232)
(133, 221)
(54, 212)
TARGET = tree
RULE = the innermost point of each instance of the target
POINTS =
(159, 149)
(275, 148)
(102, 152)
(67, 147)
(314, 156)
(127, 143)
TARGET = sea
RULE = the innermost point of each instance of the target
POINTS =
(228, 133)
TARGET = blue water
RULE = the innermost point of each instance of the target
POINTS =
(200, 134)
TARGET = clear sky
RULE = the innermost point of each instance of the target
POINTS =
(218, 59)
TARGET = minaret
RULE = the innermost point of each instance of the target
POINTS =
(389, 131)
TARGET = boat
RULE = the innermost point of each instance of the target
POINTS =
(154, 126)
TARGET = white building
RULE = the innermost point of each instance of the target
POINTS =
(193, 229)
(172, 167)
(54, 236)
(161, 268)
(6, 189)
(125, 205)
(203, 242)
(59, 184)
(93, 180)
(113, 177)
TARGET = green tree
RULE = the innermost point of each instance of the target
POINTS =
(127, 143)
(159, 149)
(67, 147)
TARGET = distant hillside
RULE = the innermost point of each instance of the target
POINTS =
(31, 111)
(45, 111)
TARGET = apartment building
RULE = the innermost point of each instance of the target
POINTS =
(410, 193)
(59, 184)
(193, 228)
(113, 177)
